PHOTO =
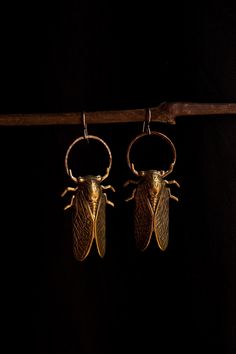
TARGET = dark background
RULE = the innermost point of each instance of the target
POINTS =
(83, 56)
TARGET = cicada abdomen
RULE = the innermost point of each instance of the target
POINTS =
(151, 212)
(88, 205)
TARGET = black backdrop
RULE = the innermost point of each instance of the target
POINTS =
(84, 56)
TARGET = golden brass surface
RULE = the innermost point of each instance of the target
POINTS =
(88, 204)
(151, 198)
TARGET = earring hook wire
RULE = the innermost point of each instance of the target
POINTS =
(85, 126)
(147, 121)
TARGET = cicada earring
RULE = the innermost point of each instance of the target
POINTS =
(88, 203)
(151, 197)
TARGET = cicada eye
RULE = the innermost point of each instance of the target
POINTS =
(99, 178)
(81, 179)
(142, 173)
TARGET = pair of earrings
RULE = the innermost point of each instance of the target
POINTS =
(151, 197)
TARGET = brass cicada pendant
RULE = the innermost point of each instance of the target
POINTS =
(151, 212)
(151, 197)
(88, 205)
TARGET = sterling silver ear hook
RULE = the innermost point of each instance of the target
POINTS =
(85, 126)
(147, 121)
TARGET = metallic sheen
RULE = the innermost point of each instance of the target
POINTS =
(88, 204)
(151, 197)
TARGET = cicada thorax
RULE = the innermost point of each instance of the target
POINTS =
(151, 210)
(152, 183)
(92, 193)
(88, 217)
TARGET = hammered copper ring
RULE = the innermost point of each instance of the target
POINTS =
(84, 138)
(163, 136)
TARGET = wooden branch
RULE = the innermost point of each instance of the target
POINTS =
(165, 113)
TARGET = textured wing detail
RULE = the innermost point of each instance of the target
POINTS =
(161, 219)
(100, 228)
(143, 219)
(83, 225)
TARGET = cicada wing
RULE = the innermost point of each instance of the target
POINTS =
(161, 219)
(143, 219)
(100, 226)
(83, 225)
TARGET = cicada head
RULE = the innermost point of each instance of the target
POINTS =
(151, 175)
(89, 178)
(152, 179)
(91, 187)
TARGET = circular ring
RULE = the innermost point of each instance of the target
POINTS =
(85, 138)
(163, 136)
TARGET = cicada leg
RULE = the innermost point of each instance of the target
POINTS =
(71, 203)
(177, 184)
(68, 189)
(108, 201)
(172, 182)
(133, 193)
(108, 187)
(132, 196)
(129, 182)
(173, 197)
